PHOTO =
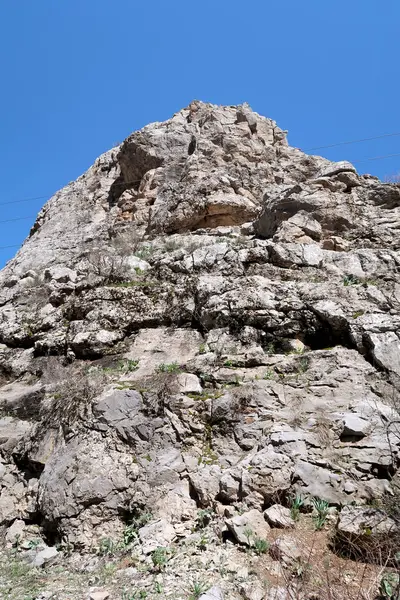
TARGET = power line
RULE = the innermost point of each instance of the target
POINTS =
(23, 200)
(377, 137)
(12, 246)
(19, 219)
(376, 158)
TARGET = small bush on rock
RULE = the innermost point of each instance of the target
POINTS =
(296, 503)
(160, 557)
(197, 589)
(260, 546)
(73, 389)
(168, 368)
(322, 508)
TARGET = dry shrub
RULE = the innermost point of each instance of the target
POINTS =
(110, 266)
(157, 391)
(319, 574)
(110, 262)
(36, 293)
(72, 390)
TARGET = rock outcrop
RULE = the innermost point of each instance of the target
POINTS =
(208, 317)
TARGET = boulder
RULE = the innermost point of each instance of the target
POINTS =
(279, 516)
(99, 595)
(248, 527)
(188, 383)
(214, 593)
(286, 550)
(159, 534)
(41, 557)
(21, 400)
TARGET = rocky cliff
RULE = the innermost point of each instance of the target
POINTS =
(207, 319)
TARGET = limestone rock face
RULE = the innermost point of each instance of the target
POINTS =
(206, 318)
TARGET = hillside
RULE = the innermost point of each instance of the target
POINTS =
(201, 327)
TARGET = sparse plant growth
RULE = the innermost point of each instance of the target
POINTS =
(350, 280)
(296, 504)
(202, 542)
(228, 363)
(301, 569)
(299, 351)
(248, 533)
(73, 389)
(204, 516)
(303, 364)
(107, 547)
(168, 368)
(357, 313)
(134, 595)
(208, 456)
(139, 519)
(145, 251)
(128, 365)
(123, 366)
(197, 589)
(269, 374)
(160, 557)
(158, 587)
(270, 348)
(260, 545)
(108, 264)
(321, 508)
(202, 348)
(130, 534)
(172, 244)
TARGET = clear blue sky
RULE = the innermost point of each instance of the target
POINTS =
(79, 75)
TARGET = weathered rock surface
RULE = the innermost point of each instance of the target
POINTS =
(248, 527)
(207, 317)
(279, 516)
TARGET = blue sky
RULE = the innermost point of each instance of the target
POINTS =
(79, 75)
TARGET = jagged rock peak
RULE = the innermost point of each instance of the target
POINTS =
(207, 166)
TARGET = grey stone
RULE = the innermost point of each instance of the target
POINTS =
(279, 516)
(285, 549)
(158, 534)
(20, 399)
(189, 384)
(248, 527)
(99, 595)
(41, 557)
(353, 425)
(214, 593)
(252, 591)
(15, 532)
